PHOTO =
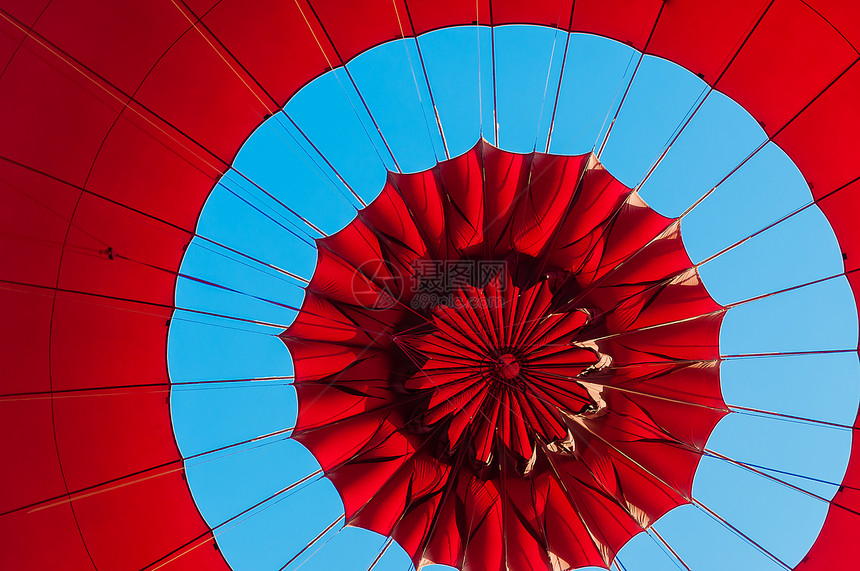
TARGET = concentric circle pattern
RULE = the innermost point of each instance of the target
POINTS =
(557, 396)
(149, 263)
(301, 512)
(504, 370)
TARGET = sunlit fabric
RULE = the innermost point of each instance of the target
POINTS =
(109, 149)
(531, 400)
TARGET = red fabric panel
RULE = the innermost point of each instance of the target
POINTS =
(629, 231)
(112, 435)
(843, 16)
(44, 539)
(657, 285)
(97, 342)
(428, 16)
(628, 21)
(423, 198)
(94, 32)
(821, 141)
(392, 217)
(653, 475)
(685, 340)
(485, 549)
(333, 448)
(795, 71)
(523, 521)
(147, 165)
(555, 13)
(34, 218)
(195, 69)
(552, 187)
(585, 487)
(459, 180)
(263, 35)
(139, 246)
(508, 173)
(562, 522)
(581, 237)
(129, 527)
(383, 455)
(30, 464)
(352, 27)
(25, 338)
(325, 321)
(427, 476)
(422, 502)
(200, 7)
(675, 301)
(703, 36)
(53, 117)
(347, 276)
(27, 11)
(660, 387)
(321, 358)
(11, 37)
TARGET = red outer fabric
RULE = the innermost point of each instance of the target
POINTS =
(75, 153)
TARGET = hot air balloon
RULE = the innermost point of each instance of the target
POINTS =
(505, 359)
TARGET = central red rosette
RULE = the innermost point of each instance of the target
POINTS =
(503, 368)
(507, 362)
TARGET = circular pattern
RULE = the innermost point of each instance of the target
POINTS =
(111, 148)
(420, 415)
